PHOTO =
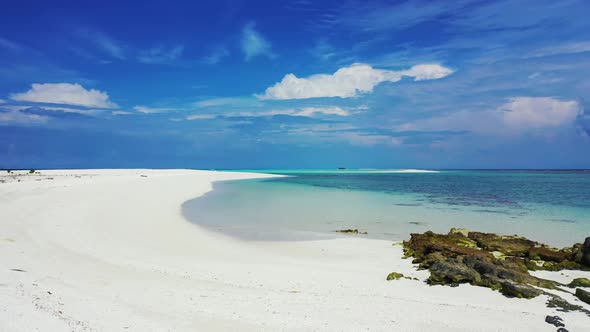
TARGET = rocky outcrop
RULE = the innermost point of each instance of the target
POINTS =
(512, 289)
(583, 295)
(580, 282)
(489, 260)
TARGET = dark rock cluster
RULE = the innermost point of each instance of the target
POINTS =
(495, 261)
(351, 231)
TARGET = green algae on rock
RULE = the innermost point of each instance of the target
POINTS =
(579, 282)
(498, 262)
(396, 276)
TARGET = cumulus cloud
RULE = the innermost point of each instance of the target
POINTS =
(348, 81)
(254, 44)
(539, 112)
(161, 55)
(517, 115)
(65, 93)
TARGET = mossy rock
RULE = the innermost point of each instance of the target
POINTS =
(495, 261)
(395, 276)
(510, 245)
(563, 305)
(520, 291)
(549, 254)
(580, 282)
(452, 273)
(583, 295)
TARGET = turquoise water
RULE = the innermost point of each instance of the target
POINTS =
(549, 206)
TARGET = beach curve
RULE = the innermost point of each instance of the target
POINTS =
(109, 249)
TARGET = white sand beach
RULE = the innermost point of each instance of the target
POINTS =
(109, 250)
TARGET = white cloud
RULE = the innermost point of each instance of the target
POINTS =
(427, 72)
(65, 93)
(333, 110)
(85, 111)
(201, 117)
(254, 44)
(305, 111)
(228, 101)
(518, 115)
(21, 118)
(567, 48)
(539, 112)
(161, 55)
(2, 101)
(121, 113)
(348, 81)
(152, 110)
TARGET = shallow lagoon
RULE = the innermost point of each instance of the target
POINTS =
(548, 206)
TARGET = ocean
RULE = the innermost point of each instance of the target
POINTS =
(550, 206)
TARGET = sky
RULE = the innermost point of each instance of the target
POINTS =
(231, 84)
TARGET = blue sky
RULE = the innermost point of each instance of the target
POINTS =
(298, 84)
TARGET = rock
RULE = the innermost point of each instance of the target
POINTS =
(508, 245)
(395, 276)
(580, 282)
(562, 329)
(549, 254)
(554, 320)
(494, 261)
(583, 295)
(351, 231)
(512, 289)
(460, 231)
(586, 252)
(555, 301)
(421, 245)
(453, 273)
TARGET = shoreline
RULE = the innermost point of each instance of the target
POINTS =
(283, 209)
(103, 250)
